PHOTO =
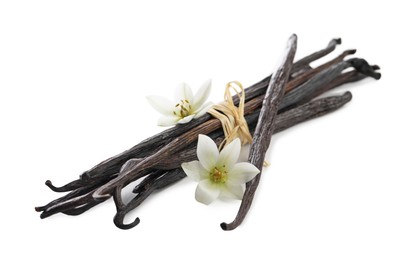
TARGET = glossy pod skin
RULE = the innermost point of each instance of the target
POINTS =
(155, 160)
(265, 127)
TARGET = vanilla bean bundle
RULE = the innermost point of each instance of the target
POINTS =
(155, 162)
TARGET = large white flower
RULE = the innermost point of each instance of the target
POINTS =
(186, 106)
(218, 173)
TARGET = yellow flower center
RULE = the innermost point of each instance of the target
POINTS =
(219, 175)
(183, 108)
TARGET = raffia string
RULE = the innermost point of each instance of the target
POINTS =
(231, 117)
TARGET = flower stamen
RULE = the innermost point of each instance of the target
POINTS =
(183, 108)
(218, 176)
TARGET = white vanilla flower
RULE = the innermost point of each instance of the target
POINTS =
(186, 107)
(218, 173)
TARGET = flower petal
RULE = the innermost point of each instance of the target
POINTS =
(183, 91)
(161, 104)
(229, 154)
(242, 173)
(207, 152)
(202, 110)
(233, 191)
(167, 120)
(194, 170)
(206, 192)
(186, 119)
(202, 94)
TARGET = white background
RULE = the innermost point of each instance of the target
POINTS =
(73, 81)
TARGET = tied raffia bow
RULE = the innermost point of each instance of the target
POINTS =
(231, 117)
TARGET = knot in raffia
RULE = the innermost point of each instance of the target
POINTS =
(231, 117)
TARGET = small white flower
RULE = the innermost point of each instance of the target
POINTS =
(186, 106)
(218, 173)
